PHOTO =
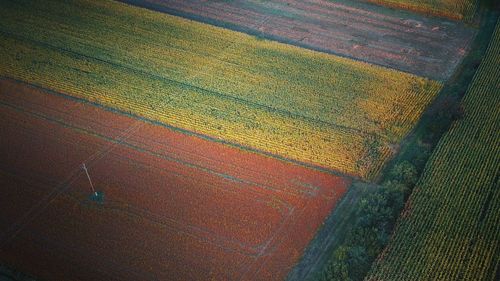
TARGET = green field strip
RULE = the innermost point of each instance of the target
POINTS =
(449, 230)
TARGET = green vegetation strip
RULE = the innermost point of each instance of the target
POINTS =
(449, 228)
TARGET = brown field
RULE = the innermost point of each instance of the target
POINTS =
(428, 47)
(177, 207)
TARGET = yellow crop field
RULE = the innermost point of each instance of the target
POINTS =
(303, 105)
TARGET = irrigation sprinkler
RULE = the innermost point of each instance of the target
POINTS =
(96, 195)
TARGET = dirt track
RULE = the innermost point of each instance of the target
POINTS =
(429, 47)
(177, 207)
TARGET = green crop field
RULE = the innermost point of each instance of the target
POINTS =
(455, 9)
(450, 227)
(299, 104)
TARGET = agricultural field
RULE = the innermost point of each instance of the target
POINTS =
(177, 207)
(248, 140)
(427, 47)
(449, 229)
(455, 9)
(311, 107)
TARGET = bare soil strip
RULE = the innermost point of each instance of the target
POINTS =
(176, 207)
(429, 47)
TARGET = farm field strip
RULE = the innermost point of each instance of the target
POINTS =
(423, 46)
(324, 110)
(454, 9)
(262, 236)
(451, 219)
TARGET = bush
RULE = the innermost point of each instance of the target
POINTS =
(441, 114)
(404, 173)
(377, 214)
(337, 269)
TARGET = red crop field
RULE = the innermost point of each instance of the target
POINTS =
(177, 207)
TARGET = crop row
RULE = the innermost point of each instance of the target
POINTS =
(450, 231)
(296, 103)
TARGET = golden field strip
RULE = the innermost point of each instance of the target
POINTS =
(454, 9)
(303, 105)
